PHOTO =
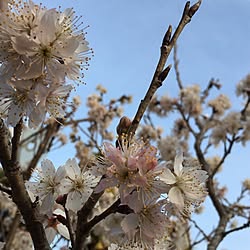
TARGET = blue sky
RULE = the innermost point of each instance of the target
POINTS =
(126, 37)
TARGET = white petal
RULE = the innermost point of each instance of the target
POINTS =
(66, 186)
(24, 45)
(47, 204)
(175, 196)
(130, 222)
(74, 202)
(63, 230)
(72, 168)
(168, 177)
(178, 163)
(48, 169)
(60, 174)
(50, 234)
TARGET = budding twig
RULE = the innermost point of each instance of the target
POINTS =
(160, 73)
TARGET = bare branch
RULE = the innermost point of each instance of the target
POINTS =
(166, 48)
(20, 196)
(244, 226)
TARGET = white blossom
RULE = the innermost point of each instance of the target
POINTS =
(78, 184)
(47, 184)
(187, 184)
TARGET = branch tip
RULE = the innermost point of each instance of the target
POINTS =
(163, 75)
(194, 8)
(186, 9)
(167, 37)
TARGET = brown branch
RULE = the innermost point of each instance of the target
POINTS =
(85, 230)
(70, 228)
(224, 213)
(244, 226)
(161, 73)
(20, 196)
(15, 140)
(83, 215)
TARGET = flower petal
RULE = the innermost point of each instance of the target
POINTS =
(168, 177)
(178, 163)
(175, 196)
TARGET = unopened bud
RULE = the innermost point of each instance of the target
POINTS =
(123, 125)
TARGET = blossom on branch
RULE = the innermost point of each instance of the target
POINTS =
(187, 185)
(39, 49)
(78, 184)
(134, 169)
(38, 41)
(47, 185)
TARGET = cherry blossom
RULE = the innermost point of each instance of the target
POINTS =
(78, 184)
(187, 184)
(37, 40)
(47, 185)
(17, 100)
(132, 168)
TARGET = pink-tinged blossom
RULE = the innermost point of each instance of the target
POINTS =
(78, 184)
(47, 185)
(187, 185)
(145, 226)
(133, 168)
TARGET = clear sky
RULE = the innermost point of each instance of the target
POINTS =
(126, 37)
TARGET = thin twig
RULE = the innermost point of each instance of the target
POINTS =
(51, 130)
(227, 151)
(5, 189)
(161, 73)
(244, 226)
(176, 68)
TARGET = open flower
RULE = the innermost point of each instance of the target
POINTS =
(35, 40)
(46, 188)
(51, 99)
(132, 168)
(17, 100)
(78, 184)
(145, 226)
(187, 184)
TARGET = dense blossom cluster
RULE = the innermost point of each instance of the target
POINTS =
(150, 189)
(144, 184)
(143, 198)
(39, 48)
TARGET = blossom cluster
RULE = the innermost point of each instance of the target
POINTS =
(151, 191)
(67, 187)
(39, 49)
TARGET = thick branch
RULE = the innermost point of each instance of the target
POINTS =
(83, 214)
(20, 196)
